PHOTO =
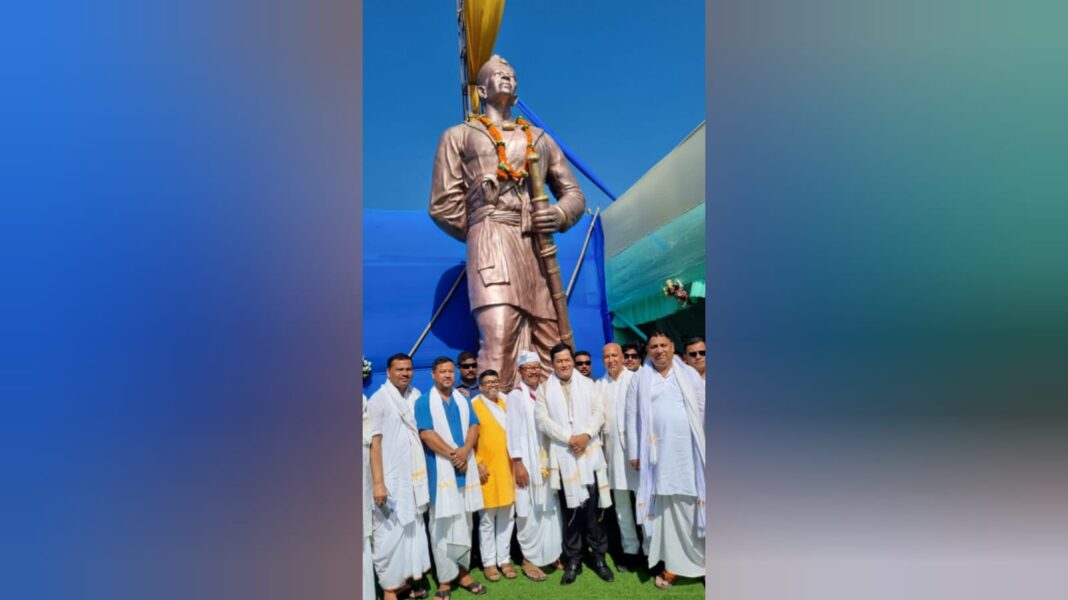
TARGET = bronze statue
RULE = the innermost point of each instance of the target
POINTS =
(481, 194)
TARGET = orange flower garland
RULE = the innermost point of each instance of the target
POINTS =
(505, 170)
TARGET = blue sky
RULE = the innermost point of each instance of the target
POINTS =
(621, 83)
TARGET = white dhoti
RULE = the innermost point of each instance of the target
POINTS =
(674, 538)
(450, 540)
(625, 517)
(541, 534)
(368, 569)
(495, 527)
(400, 551)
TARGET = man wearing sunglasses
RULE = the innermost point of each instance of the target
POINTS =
(584, 363)
(694, 355)
(632, 357)
(665, 411)
(468, 365)
(537, 508)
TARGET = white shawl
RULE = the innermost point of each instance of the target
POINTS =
(524, 442)
(693, 394)
(367, 482)
(449, 501)
(614, 398)
(575, 472)
(497, 412)
(407, 507)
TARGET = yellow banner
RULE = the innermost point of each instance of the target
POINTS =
(482, 19)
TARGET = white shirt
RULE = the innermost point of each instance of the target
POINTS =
(621, 474)
(674, 442)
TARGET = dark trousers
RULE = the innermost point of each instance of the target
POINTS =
(581, 529)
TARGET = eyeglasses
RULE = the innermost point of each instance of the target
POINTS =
(696, 353)
(630, 356)
(584, 363)
(469, 366)
(490, 382)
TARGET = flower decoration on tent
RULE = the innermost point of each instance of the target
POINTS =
(673, 288)
(366, 368)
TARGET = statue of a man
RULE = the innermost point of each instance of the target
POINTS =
(483, 198)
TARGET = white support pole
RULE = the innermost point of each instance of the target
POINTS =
(582, 255)
(465, 100)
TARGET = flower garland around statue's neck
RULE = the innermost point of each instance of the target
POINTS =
(505, 170)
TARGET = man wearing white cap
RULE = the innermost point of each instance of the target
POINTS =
(537, 508)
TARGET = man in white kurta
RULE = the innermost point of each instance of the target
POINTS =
(623, 478)
(368, 562)
(449, 430)
(570, 414)
(399, 482)
(666, 442)
(538, 525)
(693, 353)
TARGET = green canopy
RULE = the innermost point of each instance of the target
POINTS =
(655, 232)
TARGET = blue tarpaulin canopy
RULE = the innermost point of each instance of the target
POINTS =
(410, 265)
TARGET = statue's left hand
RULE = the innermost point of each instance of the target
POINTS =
(548, 220)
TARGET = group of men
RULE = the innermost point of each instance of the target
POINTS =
(543, 459)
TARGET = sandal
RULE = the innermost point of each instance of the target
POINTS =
(418, 594)
(533, 572)
(475, 588)
(443, 594)
(491, 573)
(665, 580)
(509, 571)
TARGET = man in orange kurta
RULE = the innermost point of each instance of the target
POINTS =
(495, 472)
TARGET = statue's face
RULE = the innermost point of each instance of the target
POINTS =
(500, 82)
(660, 350)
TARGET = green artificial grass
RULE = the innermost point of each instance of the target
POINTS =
(588, 585)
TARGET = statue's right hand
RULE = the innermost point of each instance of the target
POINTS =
(548, 220)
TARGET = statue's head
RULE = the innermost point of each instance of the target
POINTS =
(497, 78)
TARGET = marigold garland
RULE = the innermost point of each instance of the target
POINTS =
(505, 170)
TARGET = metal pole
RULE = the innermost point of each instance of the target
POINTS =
(465, 100)
(644, 337)
(582, 255)
(437, 313)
